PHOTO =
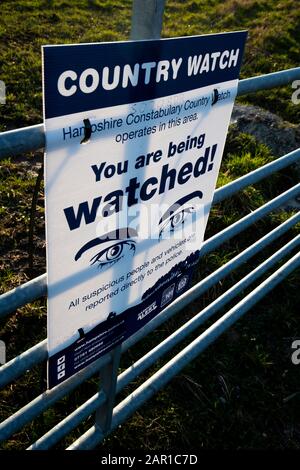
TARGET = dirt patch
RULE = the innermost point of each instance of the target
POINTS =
(280, 136)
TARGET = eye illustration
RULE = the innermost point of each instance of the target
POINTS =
(182, 211)
(176, 220)
(111, 255)
(114, 246)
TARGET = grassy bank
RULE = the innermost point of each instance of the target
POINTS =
(243, 392)
(25, 25)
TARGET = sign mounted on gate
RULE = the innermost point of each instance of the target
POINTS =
(135, 133)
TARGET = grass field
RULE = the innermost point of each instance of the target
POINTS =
(243, 392)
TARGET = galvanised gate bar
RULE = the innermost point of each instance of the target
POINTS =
(109, 416)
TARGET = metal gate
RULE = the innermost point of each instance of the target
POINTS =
(108, 416)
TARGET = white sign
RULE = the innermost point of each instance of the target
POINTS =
(135, 133)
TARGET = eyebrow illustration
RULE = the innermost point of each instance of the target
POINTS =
(113, 253)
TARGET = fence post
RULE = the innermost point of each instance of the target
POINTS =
(147, 19)
(146, 23)
(108, 383)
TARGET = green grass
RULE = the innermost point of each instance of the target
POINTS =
(26, 25)
(243, 391)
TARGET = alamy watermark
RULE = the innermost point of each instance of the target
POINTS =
(296, 94)
(2, 352)
(295, 347)
(2, 92)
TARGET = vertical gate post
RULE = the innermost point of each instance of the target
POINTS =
(146, 23)
(108, 383)
(147, 19)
